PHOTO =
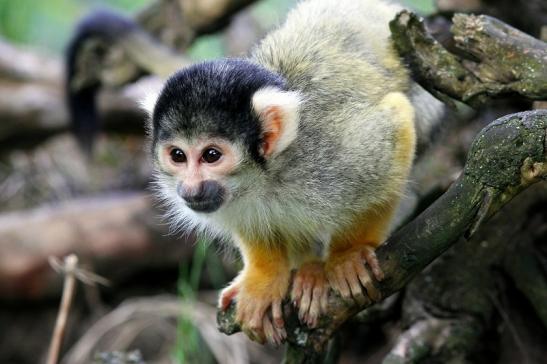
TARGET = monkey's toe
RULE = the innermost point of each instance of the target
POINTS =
(348, 276)
(261, 320)
(310, 292)
(370, 256)
(259, 306)
(274, 334)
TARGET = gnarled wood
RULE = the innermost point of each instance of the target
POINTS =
(500, 60)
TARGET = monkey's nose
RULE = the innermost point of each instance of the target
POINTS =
(191, 193)
(208, 196)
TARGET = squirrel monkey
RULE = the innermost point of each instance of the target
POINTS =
(298, 154)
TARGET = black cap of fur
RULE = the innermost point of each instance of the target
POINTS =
(214, 98)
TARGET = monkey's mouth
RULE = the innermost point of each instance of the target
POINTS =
(205, 206)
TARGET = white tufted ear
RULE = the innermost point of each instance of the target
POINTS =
(278, 112)
(148, 101)
(146, 92)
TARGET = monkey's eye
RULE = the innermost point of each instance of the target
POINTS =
(177, 155)
(211, 155)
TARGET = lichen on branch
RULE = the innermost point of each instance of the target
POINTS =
(499, 59)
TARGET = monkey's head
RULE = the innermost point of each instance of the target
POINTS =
(215, 127)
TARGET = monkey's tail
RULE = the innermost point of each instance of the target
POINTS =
(81, 99)
(147, 53)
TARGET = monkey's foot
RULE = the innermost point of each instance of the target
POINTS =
(310, 292)
(258, 306)
(347, 274)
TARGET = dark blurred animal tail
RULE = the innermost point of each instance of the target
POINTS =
(81, 99)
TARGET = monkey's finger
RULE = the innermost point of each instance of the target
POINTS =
(255, 326)
(370, 256)
(277, 314)
(304, 306)
(333, 281)
(282, 333)
(353, 282)
(366, 281)
(364, 278)
(325, 300)
(343, 285)
(296, 292)
(256, 312)
(269, 332)
(315, 307)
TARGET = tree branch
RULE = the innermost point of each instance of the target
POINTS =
(505, 158)
(499, 59)
(527, 15)
(176, 23)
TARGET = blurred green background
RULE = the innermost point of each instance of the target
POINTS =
(48, 24)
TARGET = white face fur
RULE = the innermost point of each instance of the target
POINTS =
(196, 179)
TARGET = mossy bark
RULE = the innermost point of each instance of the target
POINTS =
(499, 59)
(451, 304)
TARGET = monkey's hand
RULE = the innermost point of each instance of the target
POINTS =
(347, 274)
(259, 296)
(310, 292)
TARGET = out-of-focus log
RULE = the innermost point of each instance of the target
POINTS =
(176, 23)
(30, 91)
(31, 86)
(32, 98)
(113, 234)
(165, 26)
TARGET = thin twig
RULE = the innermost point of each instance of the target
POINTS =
(69, 268)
